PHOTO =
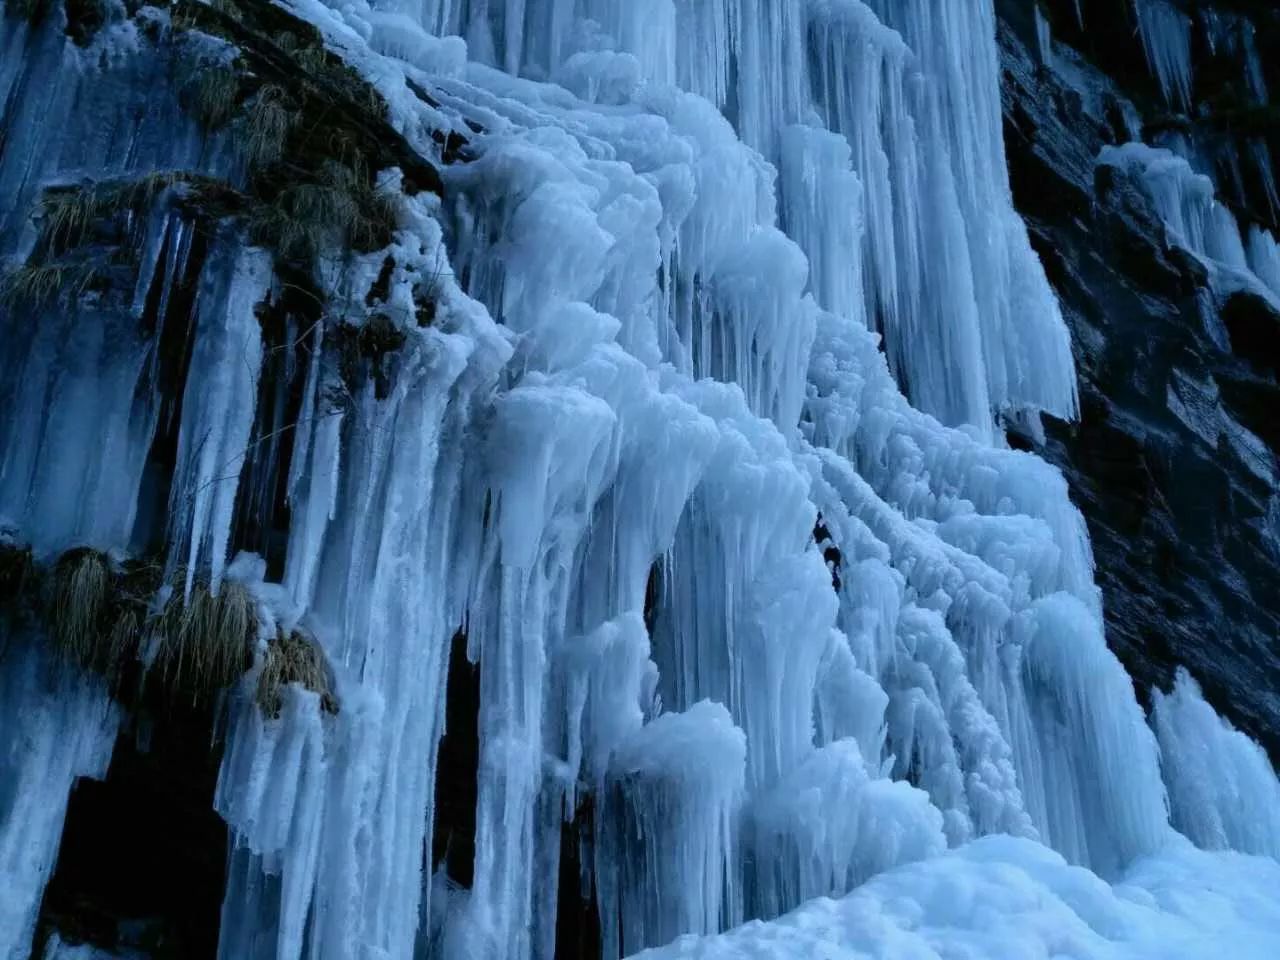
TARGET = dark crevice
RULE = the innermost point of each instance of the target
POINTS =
(174, 333)
(652, 596)
(143, 854)
(454, 834)
(577, 914)
(262, 515)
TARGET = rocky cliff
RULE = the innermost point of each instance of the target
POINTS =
(1175, 370)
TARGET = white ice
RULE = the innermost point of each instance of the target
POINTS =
(717, 276)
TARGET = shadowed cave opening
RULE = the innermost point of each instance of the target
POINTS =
(142, 860)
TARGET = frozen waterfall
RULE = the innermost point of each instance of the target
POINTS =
(697, 459)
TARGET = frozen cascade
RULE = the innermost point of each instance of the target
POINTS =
(60, 726)
(1222, 789)
(1166, 37)
(1264, 257)
(922, 115)
(696, 460)
(218, 408)
(1184, 199)
(1197, 221)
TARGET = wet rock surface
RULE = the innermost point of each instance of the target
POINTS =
(1179, 500)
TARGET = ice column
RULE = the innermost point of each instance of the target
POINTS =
(668, 835)
(217, 409)
(62, 726)
(1222, 789)
(1166, 37)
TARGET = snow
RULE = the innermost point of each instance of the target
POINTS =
(1003, 897)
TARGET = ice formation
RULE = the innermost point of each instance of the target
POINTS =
(1166, 37)
(699, 454)
(1228, 803)
(1198, 221)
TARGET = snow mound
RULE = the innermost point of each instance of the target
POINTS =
(1004, 898)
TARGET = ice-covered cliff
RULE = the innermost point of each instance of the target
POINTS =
(540, 466)
(1172, 461)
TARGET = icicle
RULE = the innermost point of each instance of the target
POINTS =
(673, 790)
(217, 410)
(1104, 802)
(761, 332)
(1044, 37)
(829, 826)
(1166, 37)
(821, 202)
(1222, 788)
(271, 792)
(1264, 257)
(608, 681)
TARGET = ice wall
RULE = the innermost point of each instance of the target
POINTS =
(1222, 789)
(697, 450)
(58, 726)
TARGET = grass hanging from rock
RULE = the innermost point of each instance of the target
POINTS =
(79, 601)
(205, 642)
(294, 657)
(39, 284)
(102, 616)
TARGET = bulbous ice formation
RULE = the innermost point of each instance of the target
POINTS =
(694, 454)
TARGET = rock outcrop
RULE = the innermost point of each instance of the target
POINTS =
(1181, 503)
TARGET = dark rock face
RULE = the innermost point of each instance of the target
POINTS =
(1181, 511)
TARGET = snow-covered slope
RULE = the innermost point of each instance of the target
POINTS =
(679, 398)
(1010, 899)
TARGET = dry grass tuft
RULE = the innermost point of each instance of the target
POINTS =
(38, 284)
(294, 658)
(335, 208)
(205, 642)
(98, 614)
(212, 93)
(66, 215)
(267, 122)
(79, 603)
(91, 621)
